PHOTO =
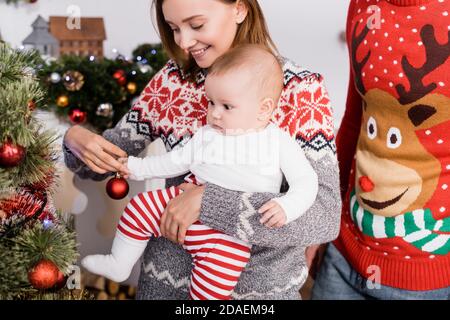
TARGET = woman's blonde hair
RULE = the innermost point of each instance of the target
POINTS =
(253, 30)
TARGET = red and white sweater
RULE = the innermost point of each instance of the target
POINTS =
(394, 143)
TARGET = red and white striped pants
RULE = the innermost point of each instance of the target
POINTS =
(218, 258)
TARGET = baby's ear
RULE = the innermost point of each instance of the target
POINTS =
(266, 108)
(268, 105)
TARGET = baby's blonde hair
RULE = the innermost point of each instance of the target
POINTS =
(259, 61)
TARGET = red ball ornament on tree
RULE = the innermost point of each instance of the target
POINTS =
(43, 275)
(77, 116)
(117, 188)
(61, 280)
(11, 155)
(120, 77)
(31, 105)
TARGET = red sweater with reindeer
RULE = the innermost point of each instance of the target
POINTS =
(394, 143)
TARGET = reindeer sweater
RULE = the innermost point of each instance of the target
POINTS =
(394, 143)
(172, 109)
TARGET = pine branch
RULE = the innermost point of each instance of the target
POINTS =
(19, 254)
(24, 240)
(56, 243)
(38, 164)
(17, 64)
(14, 99)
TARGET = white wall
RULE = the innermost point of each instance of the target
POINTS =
(306, 31)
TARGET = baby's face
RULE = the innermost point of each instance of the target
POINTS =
(234, 103)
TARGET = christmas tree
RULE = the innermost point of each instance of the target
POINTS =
(38, 247)
(98, 92)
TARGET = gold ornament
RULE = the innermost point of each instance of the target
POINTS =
(131, 87)
(73, 80)
(62, 101)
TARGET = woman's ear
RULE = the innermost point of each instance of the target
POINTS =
(266, 109)
(241, 11)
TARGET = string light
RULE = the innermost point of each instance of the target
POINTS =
(47, 223)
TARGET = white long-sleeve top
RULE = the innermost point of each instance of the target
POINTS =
(249, 162)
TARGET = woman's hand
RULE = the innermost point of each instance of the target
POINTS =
(181, 212)
(95, 151)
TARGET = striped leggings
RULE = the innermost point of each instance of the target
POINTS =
(218, 258)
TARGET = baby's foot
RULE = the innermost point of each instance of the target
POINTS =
(116, 266)
(107, 266)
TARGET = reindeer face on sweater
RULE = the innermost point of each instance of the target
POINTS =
(396, 171)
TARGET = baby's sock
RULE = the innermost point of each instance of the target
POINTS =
(116, 266)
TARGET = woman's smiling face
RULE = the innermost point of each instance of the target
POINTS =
(204, 29)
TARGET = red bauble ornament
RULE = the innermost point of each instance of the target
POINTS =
(77, 116)
(117, 188)
(120, 77)
(43, 275)
(11, 154)
(31, 105)
(61, 280)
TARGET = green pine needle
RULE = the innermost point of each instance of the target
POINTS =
(15, 64)
(16, 115)
(38, 163)
(30, 241)
(19, 254)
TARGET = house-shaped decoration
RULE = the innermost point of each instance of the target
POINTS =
(84, 41)
(59, 37)
(41, 39)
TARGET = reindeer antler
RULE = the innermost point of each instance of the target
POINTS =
(436, 55)
(358, 66)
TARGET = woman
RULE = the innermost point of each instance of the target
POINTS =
(195, 33)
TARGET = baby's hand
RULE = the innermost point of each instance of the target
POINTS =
(273, 215)
(124, 171)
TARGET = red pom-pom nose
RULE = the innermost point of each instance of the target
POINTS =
(366, 184)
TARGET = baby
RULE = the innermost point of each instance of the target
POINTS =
(239, 149)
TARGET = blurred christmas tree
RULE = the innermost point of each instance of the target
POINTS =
(37, 243)
(99, 91)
